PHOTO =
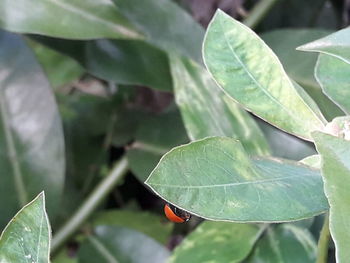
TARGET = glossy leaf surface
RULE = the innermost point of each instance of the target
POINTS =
(333, 75)
(112, 244)
(165, 25)
(79, 19)
(208, 111)
(300, 65)
(217, 242)
(336, 44)
(246, 68)
(27, 236)
(335, 153)
(31, 138)
(285, 244)
(152, 225)
(214, 178)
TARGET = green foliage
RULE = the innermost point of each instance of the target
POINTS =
(31, 138)
(217, 180)
(27, 236)
(129, 89)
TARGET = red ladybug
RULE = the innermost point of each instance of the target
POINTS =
(175, 214)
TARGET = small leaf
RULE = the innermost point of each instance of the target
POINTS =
(208, 111)
(333, 76)
(165, 25)
(335, 153)
(313, 161)
(285, 243)
(78, 19)
(246, 68)
(336, 44)
(150, 224)
(31, 137)
(27, 236)
(214, 178)
(217, 242)
(112, 244)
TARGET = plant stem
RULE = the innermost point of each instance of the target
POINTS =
(322, 246)
(258, 12)
(90, 204)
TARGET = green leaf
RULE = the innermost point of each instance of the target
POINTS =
(128, 62)
(335, 153)
(217, 242)
(214, 178)
(31, 138)
(155, 135)
(285, 243)
(336, 44)
(27, 236)
(208, 111)
(333, 76)
(112, 244)
(165, 25)
(150, 224)
(78, 19)
(120, 61)
(59, 69)
(246, 68)
(299, 65)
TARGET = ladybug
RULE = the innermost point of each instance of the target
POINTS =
(175, 214)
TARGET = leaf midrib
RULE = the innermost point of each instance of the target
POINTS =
(89, 16)
(255, 80)
(276, 179)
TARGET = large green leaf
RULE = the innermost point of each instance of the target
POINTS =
(120, 61)
(217, 242)
(336, 44)
(208, 111)
(78, 19)
(165, 25)
(285, 243)
(27, 236)
(214, 178)
(112, 244)
(299, 65)
(335, 153)
(333, 76)
(31, 137)
(246, 68)
(150, 224)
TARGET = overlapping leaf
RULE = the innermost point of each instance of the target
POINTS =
(245, 67)
(215, 179)
(79, 19)
(31, 137)
(336, 44)
(217, 242)
(208, 111)
(333, 74)
(335, 153)
(285, 243)
(27, 236)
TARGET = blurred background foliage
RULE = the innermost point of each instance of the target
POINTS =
(113, 86)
